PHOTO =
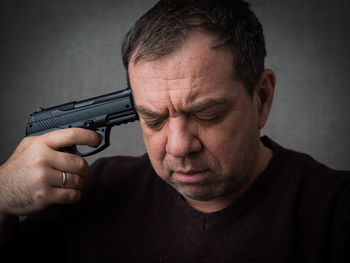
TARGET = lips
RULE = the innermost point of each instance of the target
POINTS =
(191, 176)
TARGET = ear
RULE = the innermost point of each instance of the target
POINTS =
(263, 95)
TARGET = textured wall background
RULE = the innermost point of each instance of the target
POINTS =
(53, 52)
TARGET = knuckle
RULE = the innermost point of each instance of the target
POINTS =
(78, 132)
(75, 180)
(40, 159)
(79, 181)
(81, 163)
(75, 195)
(72, 196)
(41, 174)
(69, 132)
(73, 132)
(40, 197)
(64, 132)
(25, 144)
(28, 140)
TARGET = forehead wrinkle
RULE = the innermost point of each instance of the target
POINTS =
(181, 89)
(191, 73)
(181, 65)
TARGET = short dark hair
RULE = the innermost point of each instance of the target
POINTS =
(164, 27)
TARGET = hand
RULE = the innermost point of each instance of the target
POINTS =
(31, 179)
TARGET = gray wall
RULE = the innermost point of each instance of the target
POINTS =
(58, 51)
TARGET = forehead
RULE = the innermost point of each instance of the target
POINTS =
(196, 71)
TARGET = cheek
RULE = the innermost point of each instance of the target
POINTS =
(230, 142)
(219, 146)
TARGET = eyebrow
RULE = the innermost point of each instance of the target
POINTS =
(148, 113)
(201, 106)
(223, 102)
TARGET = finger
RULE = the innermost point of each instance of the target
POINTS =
(66, 180)
(64, 196)
(70, 163)
(72, 136)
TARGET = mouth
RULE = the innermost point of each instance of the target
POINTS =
(191, 176)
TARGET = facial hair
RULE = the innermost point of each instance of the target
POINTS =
(217, 183)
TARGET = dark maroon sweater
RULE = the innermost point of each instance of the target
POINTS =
(297, 211)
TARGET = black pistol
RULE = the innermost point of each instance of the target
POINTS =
(99, 114)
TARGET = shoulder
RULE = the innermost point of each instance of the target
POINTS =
(305, 168)
(314, 174)
(321, 194)
(314, 186)
(318, 185)
(322, 197)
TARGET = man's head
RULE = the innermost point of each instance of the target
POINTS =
(164, 28)
(200, 125)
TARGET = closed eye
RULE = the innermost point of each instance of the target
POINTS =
(209, 118)
(210, 112)
(154, 124)
(152, 120)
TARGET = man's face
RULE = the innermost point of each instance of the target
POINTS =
(199, 125)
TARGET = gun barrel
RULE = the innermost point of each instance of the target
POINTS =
(106, 110)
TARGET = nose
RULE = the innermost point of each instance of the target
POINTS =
(182, 138)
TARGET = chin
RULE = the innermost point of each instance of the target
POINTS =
(199, 192)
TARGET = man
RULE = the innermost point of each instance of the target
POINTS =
(209, 188)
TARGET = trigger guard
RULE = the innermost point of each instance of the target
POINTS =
(103, 145)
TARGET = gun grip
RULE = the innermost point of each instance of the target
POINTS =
(104, 144)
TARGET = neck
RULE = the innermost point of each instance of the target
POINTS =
(221, 202)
